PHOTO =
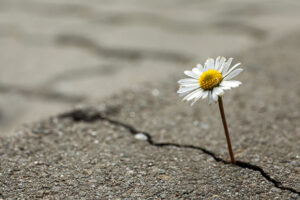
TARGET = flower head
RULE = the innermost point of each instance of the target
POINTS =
(209, 81)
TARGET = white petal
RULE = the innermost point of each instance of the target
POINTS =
(218, 91)
(205, 94)
(209, 97)
(233, 74)
(187, 97)
(231, 69)
(196, 71)
(191, 74)
(191, 85)
(197, 98)
(217, 62)
(188, 80)
(200, 67)
(195, 95)
(226, 65)
(230, 84)
(186, 84)
(186, 89)
(225, 88)
(214, 95)
(184, 94)
(221, 64)
(209, 64)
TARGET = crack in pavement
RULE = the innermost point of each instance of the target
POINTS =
(90, 116)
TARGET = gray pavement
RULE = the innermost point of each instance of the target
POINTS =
(145, 143)
(130, 136)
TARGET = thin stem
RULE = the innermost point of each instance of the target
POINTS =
(226, 130)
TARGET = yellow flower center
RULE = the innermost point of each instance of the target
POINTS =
(210, 79)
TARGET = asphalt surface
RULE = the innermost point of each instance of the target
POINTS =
(145, 143)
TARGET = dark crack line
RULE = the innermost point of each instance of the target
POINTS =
(90, 116)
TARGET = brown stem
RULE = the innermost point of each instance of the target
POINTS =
(226, 130)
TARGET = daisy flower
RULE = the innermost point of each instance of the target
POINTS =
(209, 81)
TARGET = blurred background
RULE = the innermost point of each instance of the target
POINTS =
(55, 54)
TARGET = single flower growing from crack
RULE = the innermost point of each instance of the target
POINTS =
(210, 81)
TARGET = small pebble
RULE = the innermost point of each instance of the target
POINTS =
(140, 136)
(155, 92)
(274, 189)
(295, 163)
(93, 133)
(130, 172)
(204, 126)
(60, 133)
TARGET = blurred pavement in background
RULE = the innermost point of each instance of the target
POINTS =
(55, 54)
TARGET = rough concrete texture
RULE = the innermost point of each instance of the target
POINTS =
(143, 142)
(147, 144)
(55, 54)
